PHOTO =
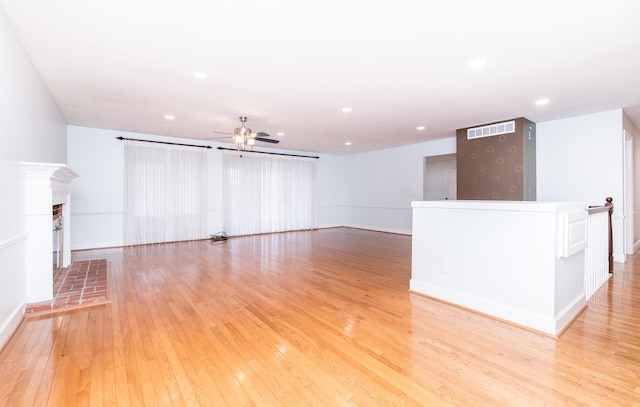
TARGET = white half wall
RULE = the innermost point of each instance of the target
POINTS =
(518, 261)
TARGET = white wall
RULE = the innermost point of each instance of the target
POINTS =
(31, 129)
(331, 190)
(98, 194)
(580, 159)
(382, 184)
(98, 200)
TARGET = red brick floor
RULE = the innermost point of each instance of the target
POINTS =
(82, 283)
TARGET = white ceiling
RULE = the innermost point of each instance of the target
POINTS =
(292, 65)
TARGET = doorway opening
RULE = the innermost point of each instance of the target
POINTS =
(439, 178)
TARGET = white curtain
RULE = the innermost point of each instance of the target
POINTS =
(268, 193)
(165, 193)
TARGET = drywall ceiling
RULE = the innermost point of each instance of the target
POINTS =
(292, 66)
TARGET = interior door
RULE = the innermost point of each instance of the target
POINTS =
(451, 184)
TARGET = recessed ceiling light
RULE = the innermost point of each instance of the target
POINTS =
(541, 102)
(200, 75)
(169, 117)
(346, 109)
(478, 63)
(280, 134)
(348, 143)
(420, 128)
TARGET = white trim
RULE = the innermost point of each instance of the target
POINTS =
(569, 313)
(403, 208)
(552, 326)
(330, 226)
(98, 245)
(378, 229)
(13, 240)
(96, 213)
(11, 324)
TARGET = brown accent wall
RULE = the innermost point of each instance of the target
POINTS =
(498, 167)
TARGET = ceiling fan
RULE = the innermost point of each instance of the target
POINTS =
(244, 138)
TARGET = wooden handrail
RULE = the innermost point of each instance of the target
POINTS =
(608, 206)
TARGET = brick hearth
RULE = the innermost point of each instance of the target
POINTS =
(82, 283)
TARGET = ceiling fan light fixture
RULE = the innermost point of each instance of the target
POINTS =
(242, 135)
(245, 139)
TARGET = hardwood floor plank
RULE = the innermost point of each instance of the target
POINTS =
(316, 318)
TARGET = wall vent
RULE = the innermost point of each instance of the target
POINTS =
(491, 130)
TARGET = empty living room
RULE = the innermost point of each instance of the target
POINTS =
(364, 203)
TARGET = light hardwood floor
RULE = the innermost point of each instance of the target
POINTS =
(319, 318)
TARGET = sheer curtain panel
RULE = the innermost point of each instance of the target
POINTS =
(165, 193)
(268, 193)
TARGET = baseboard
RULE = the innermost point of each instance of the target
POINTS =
(379, 229)
(503, 312)
(328, 226)
(97, 245)
(565, 318)
(9, 327)
(619, 257)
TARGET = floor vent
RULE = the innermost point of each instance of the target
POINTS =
(491, 130)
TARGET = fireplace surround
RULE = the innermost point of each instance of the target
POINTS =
(46, 184)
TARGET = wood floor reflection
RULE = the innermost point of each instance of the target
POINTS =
(318, 318)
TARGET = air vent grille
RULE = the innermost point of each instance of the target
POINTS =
(491, 130)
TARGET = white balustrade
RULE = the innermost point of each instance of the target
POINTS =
(596, 260)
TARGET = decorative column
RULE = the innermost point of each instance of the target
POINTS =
(45, 185)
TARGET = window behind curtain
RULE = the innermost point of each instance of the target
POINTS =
(165, 193)
(266, 193)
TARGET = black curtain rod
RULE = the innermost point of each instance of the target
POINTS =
(162, 142)
(266, 152)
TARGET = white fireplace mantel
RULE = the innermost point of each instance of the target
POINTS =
(46, 184)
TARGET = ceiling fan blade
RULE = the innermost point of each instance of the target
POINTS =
(267, 140)
(262, 134)
(222, 132)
